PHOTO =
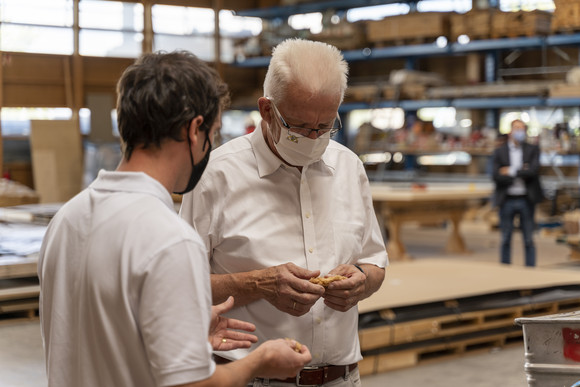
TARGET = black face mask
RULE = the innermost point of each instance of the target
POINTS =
(196, 169)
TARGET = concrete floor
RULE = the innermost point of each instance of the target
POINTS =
(22, 363)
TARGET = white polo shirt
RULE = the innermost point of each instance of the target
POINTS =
(256, 212)
(125, 290)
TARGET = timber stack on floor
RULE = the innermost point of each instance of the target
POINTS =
(438, 309)
(21, 231)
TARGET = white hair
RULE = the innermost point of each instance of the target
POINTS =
(315, 67)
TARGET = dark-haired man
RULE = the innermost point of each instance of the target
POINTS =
(125, 289)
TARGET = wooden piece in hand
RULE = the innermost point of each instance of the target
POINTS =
(325, 281)
(297, 347)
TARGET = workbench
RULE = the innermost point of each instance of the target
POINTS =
(397, 203)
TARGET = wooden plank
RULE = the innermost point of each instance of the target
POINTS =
(19, 305)
(57, 162)
(36, 95)
(450, 279)
(19, 292)
(26, 268)
(492, 90)
(564, 90)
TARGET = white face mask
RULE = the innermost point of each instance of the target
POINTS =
(301, 151)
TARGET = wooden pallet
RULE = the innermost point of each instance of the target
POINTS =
(344, 35)
(411, 28)
(476, 24)
(19, 310)
(436, 351)
(566, 16)
(454, 324)
(516, 24)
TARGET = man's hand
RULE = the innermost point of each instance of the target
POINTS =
(280, 359)
(343, 295)
(287, 287)
(221, 335)
(505, 171)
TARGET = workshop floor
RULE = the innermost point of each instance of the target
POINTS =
(22, 359)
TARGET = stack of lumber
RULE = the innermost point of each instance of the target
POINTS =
(522, 23)
(14, 194)
(539, 88)
(564, 90)
(344, 35)
(418, 26)
(19, 298)
(363, 92)
(566, 16)
(476, 24)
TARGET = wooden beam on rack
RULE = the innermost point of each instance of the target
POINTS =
(76, 70)
(217, 6)
(147, 26)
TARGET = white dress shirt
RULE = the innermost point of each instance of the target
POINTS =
(255, 212)
(125, 290)
(518, 186)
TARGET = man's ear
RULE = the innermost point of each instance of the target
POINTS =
(265, 107)
(194, 129)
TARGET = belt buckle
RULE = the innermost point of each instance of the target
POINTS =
(298, 376)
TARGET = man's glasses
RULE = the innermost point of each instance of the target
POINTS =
(336, 125)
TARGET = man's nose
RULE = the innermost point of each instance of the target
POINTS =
(313, 135)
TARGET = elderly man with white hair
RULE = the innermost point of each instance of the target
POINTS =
(284, 204)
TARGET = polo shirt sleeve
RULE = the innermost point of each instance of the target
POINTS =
(174, 314)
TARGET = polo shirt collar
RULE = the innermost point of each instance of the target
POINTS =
(131, 182)
(267, 161)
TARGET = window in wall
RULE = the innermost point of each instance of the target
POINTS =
(448, 120)
(192, 29)
(110, 28)
(36, 26)
(307, 21)
(376, 12)
(16, 121)
(460, 6)
(526, 5)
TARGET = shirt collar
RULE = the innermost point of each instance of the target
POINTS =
(514, 146)
(267, 161)
(132, 182)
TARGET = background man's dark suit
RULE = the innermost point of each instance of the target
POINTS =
(522, 205)
(530, 173)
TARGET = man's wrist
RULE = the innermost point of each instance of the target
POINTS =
(360, 268)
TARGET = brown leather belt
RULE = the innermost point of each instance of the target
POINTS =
(316, 376)
(310, 376)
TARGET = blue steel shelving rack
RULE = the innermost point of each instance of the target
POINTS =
(489, 47)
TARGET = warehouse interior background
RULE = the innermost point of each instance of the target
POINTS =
(433, 88)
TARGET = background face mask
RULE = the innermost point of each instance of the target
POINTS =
(519, 136)
(299, 150)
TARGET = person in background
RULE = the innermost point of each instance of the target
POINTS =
(285, 204)
(516, 168)
(125, 290)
